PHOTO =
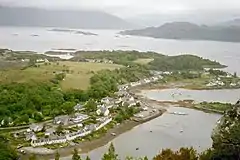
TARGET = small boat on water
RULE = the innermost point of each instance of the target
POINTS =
(113, 134)
(35, 35)
(179, 113)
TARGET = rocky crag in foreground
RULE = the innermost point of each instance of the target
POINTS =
(226, 135)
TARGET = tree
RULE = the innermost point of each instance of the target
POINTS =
(60, 76)
(24, 118)
(38, 116)
(206, 155)
(110, 155)
(91, 106)
(6, 152)
(32, 157)
(225, 136)
(75, 155)
(59, 129)
(67, 107)
(57, 156)
(129, 158)
(88, 158)
(182, 154)
(235, 75)
(145, 158)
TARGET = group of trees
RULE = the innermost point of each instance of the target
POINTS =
(182, 75)
(125, 113)
(182, 62)
(217, 72)
(222, 107)
(161, 62)
(119, 57)
(6, 152)
(21, 102)
(165, 154)
(105, 82)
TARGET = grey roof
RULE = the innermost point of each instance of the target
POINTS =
(36, 126)
(77, 115)
(50, 130)
(78, 107)
(122, 93)
(108, 98)
(62, 117)
(103, 109)
(90, 127)
(31, 136)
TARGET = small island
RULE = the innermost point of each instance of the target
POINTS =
(73, 31)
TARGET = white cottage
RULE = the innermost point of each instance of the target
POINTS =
(103, 110)
(78, 107)
(36, 127)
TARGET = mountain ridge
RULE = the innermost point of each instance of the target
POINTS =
(189, 31)
(36, 17)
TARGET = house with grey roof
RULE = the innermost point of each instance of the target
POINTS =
(107, 100)
(123, 87)
(78, 117)
(91, 127)
(121, 93)
(63, 120)
(103, 110)
(50, 131)
(49, 141)
(30, 136)
(78, 107)
(36, 127)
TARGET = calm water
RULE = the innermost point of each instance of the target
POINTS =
(224, 95)
(197, 128)
(21, 39)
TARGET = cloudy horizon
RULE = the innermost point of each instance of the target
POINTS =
(130, 8)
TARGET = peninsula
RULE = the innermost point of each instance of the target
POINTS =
(189, 31)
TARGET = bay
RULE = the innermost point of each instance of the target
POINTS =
(165, 131)
(197, 126)
(21, 38)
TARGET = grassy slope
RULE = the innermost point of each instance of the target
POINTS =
(80, 78)
(77, 78)
(143, 60)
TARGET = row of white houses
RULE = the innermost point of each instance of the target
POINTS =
(69, 137)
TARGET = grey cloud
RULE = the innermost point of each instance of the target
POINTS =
(130, 7)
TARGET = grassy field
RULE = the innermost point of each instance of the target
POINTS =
(143, 60)
(77, 77)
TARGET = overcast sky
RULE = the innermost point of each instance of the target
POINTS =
(131, 8)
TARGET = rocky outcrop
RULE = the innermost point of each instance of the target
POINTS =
(226, 135)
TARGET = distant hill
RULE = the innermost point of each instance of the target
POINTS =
(60, 18)
(234, 22)
(189, 31)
